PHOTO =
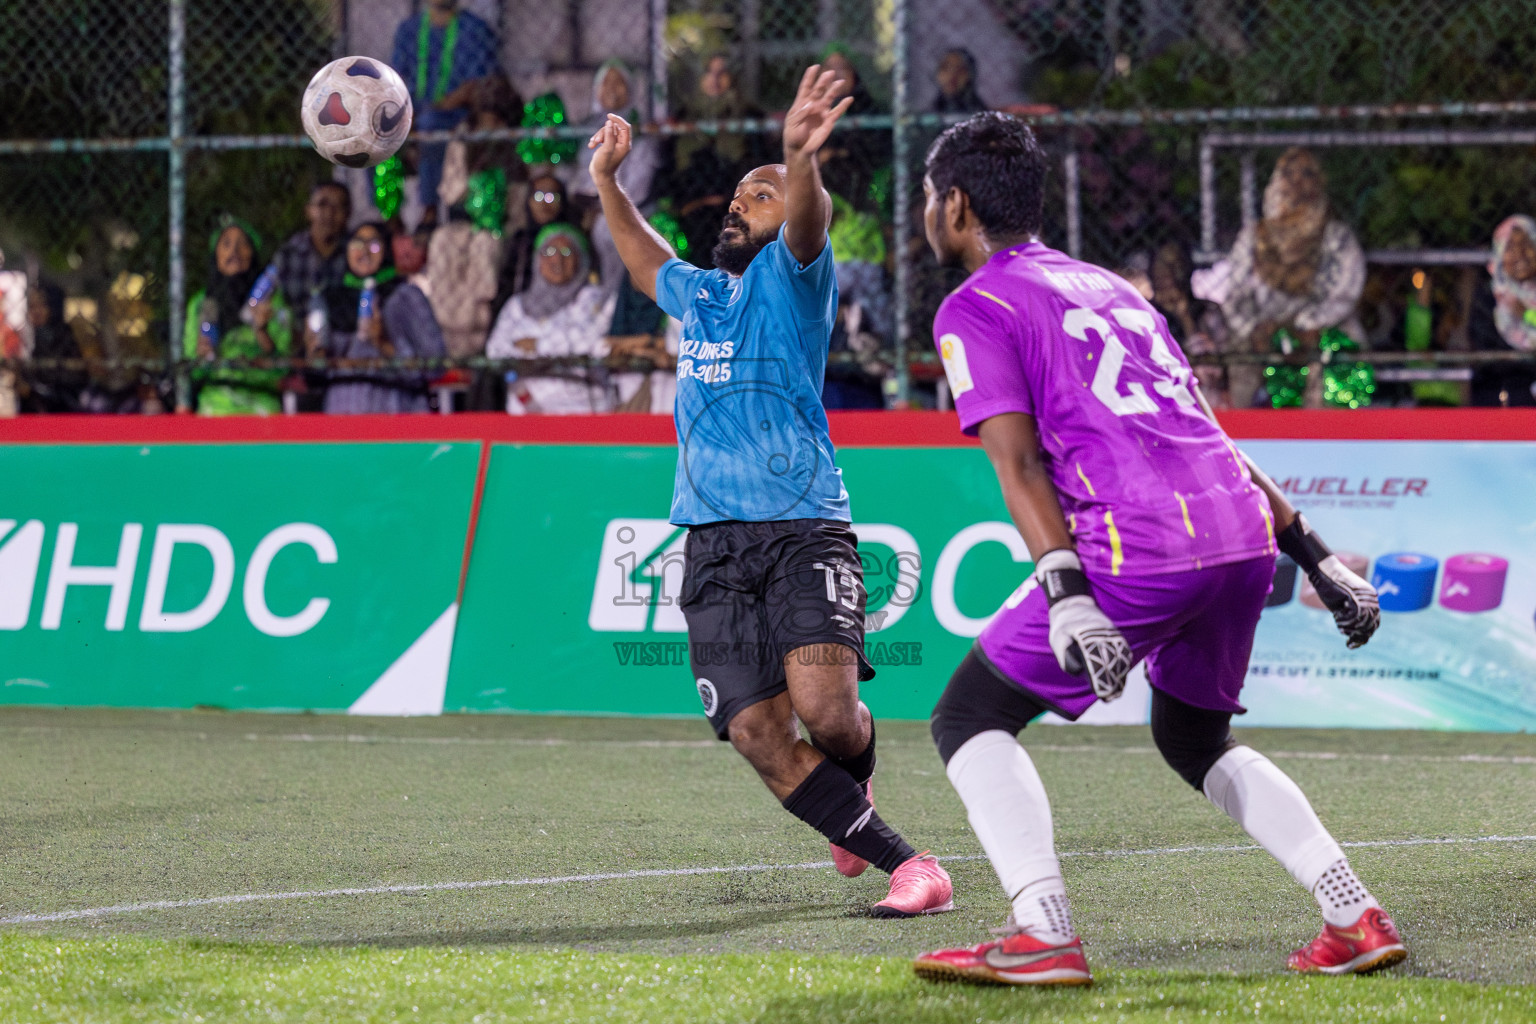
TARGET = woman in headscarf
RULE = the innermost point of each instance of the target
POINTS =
(546, 204)
(560, 315)
(1298, 269)
(220, 325)
(1513, 270)
(613, 93)
(400, 325)
(955, 78)
(1503, 314)
(51, 389)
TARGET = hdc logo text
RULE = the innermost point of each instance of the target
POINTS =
(21, 552)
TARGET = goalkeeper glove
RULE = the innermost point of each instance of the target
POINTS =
(1351, 600)
(1082, 637)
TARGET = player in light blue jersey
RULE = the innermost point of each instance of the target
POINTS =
(772, 588)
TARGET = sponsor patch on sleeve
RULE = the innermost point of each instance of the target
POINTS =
(952, 351)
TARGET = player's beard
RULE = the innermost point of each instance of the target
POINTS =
(735, 256)
(945, 252)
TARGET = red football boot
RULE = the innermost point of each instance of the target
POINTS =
(1016, 959)
(1370, 944)
(851, 864)
(918, 886)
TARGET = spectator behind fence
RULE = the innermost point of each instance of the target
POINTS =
(315, 259)
(547, 204)
(466, 251)
(1513, 270)
(11, 347)
(638, 332)
(613, 93)
(222, 324)
(1503, 315)
(955, 79)
(856, 163)
(51, 389)
(400, 325)
(706, 167)
(855, 364)
(1195, 324)
(1298, 269)
(440, 52)
(560, 315)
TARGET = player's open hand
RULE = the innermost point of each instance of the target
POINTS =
(613, 142)
(814, 113)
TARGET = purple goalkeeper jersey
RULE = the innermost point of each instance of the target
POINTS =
(1148, 483)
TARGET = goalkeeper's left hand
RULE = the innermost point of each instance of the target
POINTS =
(1351, 599)
(1082, 637)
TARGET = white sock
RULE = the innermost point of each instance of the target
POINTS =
(1275, 812)
(1342, 896)
(1008, 808)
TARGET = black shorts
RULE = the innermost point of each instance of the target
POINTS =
(753, 592)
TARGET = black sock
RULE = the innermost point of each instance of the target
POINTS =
(833, 804)
(861, 766)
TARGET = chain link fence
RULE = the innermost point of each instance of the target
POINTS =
(137, 128)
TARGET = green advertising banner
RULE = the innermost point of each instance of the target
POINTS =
(571, 599)
(325, 576)
(273, 576)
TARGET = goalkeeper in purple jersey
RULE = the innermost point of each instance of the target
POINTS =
(1154, 540)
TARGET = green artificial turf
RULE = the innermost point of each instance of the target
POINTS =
(109, 808)
(151, 980)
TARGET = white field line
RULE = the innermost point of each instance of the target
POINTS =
(616, 876)
(1311, 755)
(480, 741)
(512, 741)
(1049, 748)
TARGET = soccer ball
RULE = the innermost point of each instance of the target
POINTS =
(356, 111)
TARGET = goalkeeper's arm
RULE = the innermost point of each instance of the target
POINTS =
(1082, 637)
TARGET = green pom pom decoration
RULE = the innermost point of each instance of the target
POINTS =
(486, 202)
(855, 235)
(389, 186)
(882, 187)
(1345, 385)
(670, 228)
(1286, 385)
(545, 111)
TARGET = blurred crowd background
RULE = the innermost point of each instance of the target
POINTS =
(1326, 199)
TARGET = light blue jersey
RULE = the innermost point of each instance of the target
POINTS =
(751, 430)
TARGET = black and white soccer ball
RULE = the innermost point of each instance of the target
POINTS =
(356, 111)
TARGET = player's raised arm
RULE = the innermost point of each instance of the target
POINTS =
(640, 247)
(807, 207)
(1082, 637)
(1352, 601)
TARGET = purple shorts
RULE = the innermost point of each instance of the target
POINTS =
(1195, 630)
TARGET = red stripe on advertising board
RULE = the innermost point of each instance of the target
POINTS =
(849, 429)
(474, 517)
